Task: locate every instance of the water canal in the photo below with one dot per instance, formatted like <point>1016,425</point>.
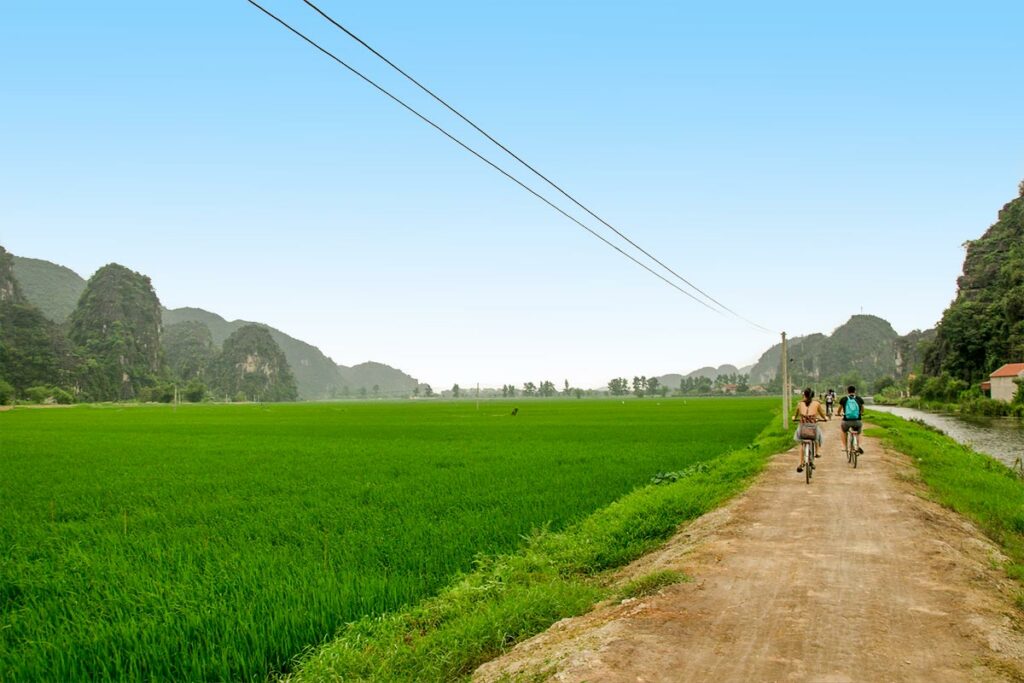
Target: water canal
<point>1000,437</point>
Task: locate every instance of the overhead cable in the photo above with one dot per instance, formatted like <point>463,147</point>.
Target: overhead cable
<point>475,153</point>
<point>522,161</point>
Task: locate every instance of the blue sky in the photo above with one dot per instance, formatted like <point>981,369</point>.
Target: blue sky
<point>800,163</point>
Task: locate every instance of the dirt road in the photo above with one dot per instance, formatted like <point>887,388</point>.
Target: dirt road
<point>854,578</point>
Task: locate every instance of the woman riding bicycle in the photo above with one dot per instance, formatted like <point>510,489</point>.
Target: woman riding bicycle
<point>807,412</point>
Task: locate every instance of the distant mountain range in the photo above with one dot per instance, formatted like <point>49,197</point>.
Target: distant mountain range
<point>55,290</point>
<point>672,379</point>
<point>863,349</point>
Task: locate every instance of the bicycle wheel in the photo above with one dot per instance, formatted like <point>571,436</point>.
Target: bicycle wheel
<point>808,461</point>
<point>854,444</point>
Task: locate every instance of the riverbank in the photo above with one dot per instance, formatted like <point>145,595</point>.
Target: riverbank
<point>980,406</point>
<point>999,437</point>
<point>973,484</point>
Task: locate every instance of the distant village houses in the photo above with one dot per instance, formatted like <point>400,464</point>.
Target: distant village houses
<point>1003,387</point>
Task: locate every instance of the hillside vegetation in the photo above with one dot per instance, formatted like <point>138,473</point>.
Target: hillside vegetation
<point>51,288</point>
<point>33,350</point>
<point>45,345</point>
<point>861,351</point>
<point>983,328</point>
<point>117,327</point>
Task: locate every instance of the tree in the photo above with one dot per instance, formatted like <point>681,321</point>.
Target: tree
<point>639,386</point>
<point>529,389</point>
<point>547,389</point>
<point>653,385</point>
<point>427,391</point>
<point>566,392</point>
<point>618,386</point>
<point>416,391</point>
<point>6,393</point>
<point>376,390</point>
<point>195,391</point>
<point>455,391</point>
<point>881,384</point>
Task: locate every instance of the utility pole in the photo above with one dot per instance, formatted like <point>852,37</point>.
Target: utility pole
<point>785,382</point>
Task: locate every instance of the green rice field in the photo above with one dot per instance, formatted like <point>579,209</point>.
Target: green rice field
<point>220,542</point>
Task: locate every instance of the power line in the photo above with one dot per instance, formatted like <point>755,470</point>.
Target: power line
<point>522,161</point>
<point>472,151</point>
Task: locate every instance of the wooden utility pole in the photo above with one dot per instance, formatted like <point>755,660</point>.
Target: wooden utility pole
<point>785,382</point>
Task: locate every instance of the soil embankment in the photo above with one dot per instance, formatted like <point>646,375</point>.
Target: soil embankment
<point>856,577</point>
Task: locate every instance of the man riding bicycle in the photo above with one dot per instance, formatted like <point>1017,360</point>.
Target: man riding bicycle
<point>830,399</point>
<point>851,407</point>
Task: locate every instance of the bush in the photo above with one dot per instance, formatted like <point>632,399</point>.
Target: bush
<point>6,393</point>
<point>195,391</point>
<point>981,405</point>
<point>47,394</point>
<point>941,388</point>
<point>881,384</point>
<point>160,393</point>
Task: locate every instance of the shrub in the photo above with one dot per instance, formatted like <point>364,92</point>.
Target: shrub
<point>47,394</point>
<point>6,393</point>
<point>882,383</point>
<point>195,391</point>
<point>159,393</point>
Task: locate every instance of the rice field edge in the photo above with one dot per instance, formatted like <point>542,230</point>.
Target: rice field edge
<point>508,598</point>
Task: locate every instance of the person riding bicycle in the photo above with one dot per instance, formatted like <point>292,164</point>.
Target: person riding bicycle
<point>851,407</point>
<point>830,398</point>
<point>807,412</point>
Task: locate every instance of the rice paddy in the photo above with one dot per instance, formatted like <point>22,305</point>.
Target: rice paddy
<point>221,542</point>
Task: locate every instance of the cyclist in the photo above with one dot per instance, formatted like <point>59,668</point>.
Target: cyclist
<point>830,398</point>
<point>807,412</point>
<point>851,407</point>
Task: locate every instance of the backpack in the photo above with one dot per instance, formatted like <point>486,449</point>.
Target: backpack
<point>852,409</point>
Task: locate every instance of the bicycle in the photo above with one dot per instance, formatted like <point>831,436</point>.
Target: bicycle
<point>853,447</point>
<point>808,447</point>
<point>808,452</point>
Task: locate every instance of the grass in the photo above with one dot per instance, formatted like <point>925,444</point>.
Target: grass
<point>649,584</point>
<point>556,575</point>
<point>976,486</point>
<point>221,542</point>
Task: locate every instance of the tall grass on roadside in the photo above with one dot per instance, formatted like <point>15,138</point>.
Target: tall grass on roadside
<point>220,542</point>
<point>979,487</point>
<point>511,597</point>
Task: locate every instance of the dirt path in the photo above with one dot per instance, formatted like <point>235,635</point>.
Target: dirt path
<point>853,578</point>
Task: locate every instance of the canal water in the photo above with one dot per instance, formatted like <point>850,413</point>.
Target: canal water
<point>1000,437</point>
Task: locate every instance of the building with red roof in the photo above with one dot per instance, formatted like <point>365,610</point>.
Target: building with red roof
<point>1003,386</point>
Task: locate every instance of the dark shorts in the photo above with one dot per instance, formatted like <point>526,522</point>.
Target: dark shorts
<point>856,425</point>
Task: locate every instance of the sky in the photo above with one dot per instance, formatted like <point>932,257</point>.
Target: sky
<point>799,162</point>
